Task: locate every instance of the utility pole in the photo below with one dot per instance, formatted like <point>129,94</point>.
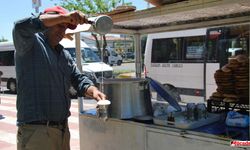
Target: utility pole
<point>148,5</point>
<point>36,4</point>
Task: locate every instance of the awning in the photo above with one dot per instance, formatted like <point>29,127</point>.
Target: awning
<point>182,15</point>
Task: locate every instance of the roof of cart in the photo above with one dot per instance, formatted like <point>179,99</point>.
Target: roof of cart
<point>180,15</point>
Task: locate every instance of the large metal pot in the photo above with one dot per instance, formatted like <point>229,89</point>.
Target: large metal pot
<point>130,98</point>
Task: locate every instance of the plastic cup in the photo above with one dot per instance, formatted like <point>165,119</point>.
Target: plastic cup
<point>102,109</point>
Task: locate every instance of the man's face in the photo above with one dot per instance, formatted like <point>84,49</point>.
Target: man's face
<point>56,34</point>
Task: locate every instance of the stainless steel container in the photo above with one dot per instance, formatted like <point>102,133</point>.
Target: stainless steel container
<point>130,98</point>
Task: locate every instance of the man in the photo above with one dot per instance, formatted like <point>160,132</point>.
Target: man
<point>106,56</point>
<point>45,72</point>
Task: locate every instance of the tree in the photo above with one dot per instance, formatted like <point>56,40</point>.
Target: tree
<point>91,6</point>
<point>3,39</point>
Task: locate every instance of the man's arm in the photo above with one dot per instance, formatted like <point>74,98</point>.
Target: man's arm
<point>82,83</point>
<point>74,18</point>
<point>24,30</point>
<point>24,33</point>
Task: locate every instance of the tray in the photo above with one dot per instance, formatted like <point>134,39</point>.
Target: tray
<point>183,123</point>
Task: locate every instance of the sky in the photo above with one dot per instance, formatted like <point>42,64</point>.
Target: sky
<point>13,10</point>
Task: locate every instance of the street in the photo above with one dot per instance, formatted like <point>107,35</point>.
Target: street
<point>125,67</point>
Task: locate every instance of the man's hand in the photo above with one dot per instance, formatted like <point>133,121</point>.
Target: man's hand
<point>76,17</point>
<point>93,92</point>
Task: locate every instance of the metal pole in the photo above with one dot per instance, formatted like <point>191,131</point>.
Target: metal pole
<point>78,51</point>
<point>36,4</point>
<point>37,10</point>
<point>79,65</point>
<point>148,5</point>
<point>138,57</point>
<point>102,52</point>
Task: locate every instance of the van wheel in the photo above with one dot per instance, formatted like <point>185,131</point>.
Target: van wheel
<point>119,62</point>
<point>12,86</point>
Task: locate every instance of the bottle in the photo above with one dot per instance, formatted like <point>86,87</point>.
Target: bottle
<point>171,119</point>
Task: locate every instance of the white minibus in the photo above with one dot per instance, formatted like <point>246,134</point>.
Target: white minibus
<point>188,59</point>
<point>7,66</point>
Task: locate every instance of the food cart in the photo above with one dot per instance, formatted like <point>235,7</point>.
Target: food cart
<point>130,134</point>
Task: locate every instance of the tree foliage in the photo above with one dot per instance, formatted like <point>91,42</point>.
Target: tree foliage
<point>3,39</point>
<point>90,6</point>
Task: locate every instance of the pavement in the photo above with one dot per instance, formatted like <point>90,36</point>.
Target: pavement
<point>8,126</point>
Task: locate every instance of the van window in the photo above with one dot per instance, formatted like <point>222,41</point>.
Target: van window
<point>238,40</point>
<point>7,58</point>
<point>164,50</point>
<point>87,55</point>
<point>178,49</point>
<point>113,53</point>
<point>194,47</point>
<point>224,42</point>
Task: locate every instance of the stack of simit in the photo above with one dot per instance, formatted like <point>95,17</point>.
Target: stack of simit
<point>233,80</point>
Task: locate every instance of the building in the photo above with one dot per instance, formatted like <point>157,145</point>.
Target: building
<point>120,43</point>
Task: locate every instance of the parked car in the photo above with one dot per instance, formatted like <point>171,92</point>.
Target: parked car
<point>112,57</point>
<point>129,55</point>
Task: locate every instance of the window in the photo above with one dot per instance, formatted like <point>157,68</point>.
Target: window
<point>194,48</point>
<point>224,42</point>
<point>165,50</point>
<point>178,50</point>
<point>238,40</point>
<point>7,58</point>
<point>89,55</point>
<point>215,45</point>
